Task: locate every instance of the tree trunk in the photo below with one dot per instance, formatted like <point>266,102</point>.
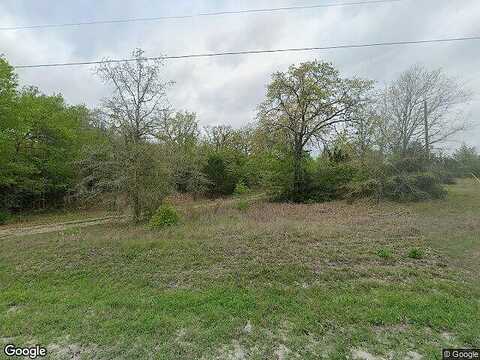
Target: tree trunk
<point>427,138</point>
<point>136,207</point>
<point>297,173</point>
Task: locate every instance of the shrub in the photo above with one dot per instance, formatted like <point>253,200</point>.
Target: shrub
<point>415,253</point>
<point>385,253</point>
<point>242,205</point>
<point>330,181</point>
<point>241,188</point>
<point>166,215</point>
<point>422,186</point>
<point>400,188</point>
<point>4,217</point>
<point>363,189</point>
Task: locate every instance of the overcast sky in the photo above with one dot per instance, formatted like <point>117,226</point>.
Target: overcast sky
<point>227,90</point>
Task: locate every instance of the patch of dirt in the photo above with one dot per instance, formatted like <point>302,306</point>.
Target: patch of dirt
<point>360,354</point>
<point>70,351</point>
<point>238,352</point>
<point>449,337</point>
<point>281,352</point>
<point>248,328</point>
<point>412,355</point>
<point>6,340</point>
<point>13,309</point>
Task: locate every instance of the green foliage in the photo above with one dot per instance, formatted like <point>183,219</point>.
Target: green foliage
<point>223,171</point>
<point>416,253</point>
<point>467,162</point>
<point>280,180</point>
<point>241,188</point>
<point>385,253</point>
<point>363,189</point>
<point>330,180</point>
<point>166,215</point>
<point>39,143</point>
<point>416,187</point>
<point>4,217</point>
<point>302,105</point>
<point>242,205</point>
<point>136,171</point>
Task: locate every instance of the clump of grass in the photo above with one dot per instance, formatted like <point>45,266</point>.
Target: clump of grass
<point>166,215</point>
<point>242,205</point>
<point>415,253</point>
<point>385,253</point>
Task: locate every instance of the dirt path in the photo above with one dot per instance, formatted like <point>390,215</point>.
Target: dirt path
<point>46,228</point>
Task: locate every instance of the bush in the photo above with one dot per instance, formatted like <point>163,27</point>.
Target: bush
<point>4,217</point>
<point>415,253</point>
<point>416,187</point>
<point>364,189</point>
<point>330,181</point>
<point>166,215</point>
<point>241,188</point>
<point>242,205</point>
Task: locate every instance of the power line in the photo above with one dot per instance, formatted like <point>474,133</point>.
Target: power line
<point>217,13</point>
<point>245,52</point>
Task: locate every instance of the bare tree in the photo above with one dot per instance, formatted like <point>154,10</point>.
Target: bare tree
<point>422,106</point>
<point>306,103</point>
<point>139,95</point>
<point>133,113</point>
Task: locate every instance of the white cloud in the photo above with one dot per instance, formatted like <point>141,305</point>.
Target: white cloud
<point>227,89</point>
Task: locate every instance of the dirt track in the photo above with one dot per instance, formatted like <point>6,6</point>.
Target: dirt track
<point>46,228</point>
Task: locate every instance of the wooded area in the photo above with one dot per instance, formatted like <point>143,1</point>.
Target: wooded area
<point>318,136</point>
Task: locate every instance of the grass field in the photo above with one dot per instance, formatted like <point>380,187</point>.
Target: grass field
<point>273,281</point>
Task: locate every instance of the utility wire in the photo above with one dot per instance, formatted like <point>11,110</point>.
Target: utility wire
<point>245,52</point>
<point>217,13</point>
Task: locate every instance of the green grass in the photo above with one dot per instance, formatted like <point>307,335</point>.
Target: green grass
<point>312,281</point>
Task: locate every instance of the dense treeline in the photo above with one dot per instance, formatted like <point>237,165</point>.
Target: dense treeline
<point>41,137</point>
<point>318,136</point>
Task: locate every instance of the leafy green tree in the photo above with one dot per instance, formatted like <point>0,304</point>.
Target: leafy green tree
<point>306,103</point>
<point>8,88</point>
<point>40,143</point>
<point>220,172</point>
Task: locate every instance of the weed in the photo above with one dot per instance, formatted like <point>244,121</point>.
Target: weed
<point>416,253</point>
<point>385,253</point>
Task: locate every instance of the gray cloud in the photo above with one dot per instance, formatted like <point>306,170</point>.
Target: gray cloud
<point>227,89</point>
